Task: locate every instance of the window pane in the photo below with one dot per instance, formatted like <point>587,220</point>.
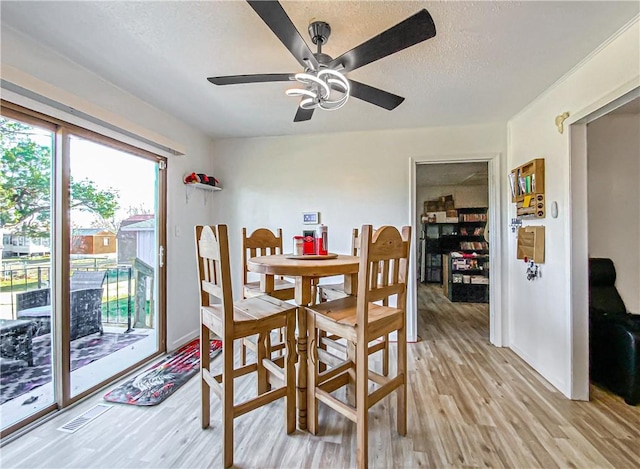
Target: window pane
<point>113,261</point>
<point>26,351</point>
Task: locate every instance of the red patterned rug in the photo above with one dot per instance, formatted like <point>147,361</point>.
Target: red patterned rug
<point>154,385</point>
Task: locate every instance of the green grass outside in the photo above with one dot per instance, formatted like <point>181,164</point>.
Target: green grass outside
<point>115,311</point>
<point>19,286</point>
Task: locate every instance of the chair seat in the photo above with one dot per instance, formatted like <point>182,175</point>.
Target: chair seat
<point>382,319</point>
<point>284,290</point>
<point>332,291</point>
<point>249,315</point>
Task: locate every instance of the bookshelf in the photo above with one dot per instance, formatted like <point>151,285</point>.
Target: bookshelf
<point>466,278</point>
<point>471,230</point>
<point>438,239</point>
<point>527,189</point>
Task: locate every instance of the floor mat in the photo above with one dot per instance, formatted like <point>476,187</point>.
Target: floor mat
<point>85,350</point>
<point>154,385</point>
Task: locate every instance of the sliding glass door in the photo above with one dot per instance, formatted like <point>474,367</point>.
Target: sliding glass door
<point>26,353</point>
<point>113,261</point>
<point>82,298</point>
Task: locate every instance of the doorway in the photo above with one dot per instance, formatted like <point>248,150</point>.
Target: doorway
<point>452,249</point>
<point>581,223</point>
<point>613,171</point>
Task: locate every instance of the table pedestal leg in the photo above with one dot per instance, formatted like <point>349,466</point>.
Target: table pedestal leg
<point>302,368</point>
<point>302,298</point>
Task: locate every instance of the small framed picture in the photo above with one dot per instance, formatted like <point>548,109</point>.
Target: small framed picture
<point>310,218</point>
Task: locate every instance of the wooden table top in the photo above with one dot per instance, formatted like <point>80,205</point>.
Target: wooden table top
<point>280,265</point>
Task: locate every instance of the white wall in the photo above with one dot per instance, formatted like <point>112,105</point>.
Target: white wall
<point>46,72</point>
<point>351,178</point>
<point>613,143</point>
<point>541,318</point>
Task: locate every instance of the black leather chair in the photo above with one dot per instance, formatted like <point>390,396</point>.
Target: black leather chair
<point>614,335</point>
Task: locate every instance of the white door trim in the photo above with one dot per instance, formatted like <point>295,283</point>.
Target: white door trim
<point>578,230</point>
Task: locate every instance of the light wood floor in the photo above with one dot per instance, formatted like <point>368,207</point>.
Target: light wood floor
<point>470,405</point>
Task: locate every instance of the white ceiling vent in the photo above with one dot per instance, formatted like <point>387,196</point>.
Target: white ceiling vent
<point>81,420</point>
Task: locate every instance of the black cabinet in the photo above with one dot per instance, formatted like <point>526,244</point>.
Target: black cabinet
<point>437,239</point>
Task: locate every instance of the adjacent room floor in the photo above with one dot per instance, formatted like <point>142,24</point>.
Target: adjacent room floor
<point>470,404</point>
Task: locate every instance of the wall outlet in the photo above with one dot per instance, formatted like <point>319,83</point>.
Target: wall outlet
<point>177,231</point>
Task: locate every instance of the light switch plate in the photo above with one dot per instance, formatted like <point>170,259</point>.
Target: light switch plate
<point>310,218</point>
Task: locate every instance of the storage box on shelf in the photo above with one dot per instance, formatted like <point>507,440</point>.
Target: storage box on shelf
<point>527,189</point>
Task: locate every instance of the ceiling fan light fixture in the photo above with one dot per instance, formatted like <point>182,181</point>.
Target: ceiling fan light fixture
<point>326,89</point>
<point>297,92</point>
<point>308,103</point>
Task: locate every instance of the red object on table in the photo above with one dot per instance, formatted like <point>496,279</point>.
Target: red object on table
<point>320,247</point>
<point>308,245</point>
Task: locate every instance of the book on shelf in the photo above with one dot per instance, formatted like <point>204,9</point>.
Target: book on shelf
<point>473,217</point>
<point>474,245</point>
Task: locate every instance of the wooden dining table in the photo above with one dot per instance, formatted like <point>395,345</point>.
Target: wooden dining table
<point>306,272</point>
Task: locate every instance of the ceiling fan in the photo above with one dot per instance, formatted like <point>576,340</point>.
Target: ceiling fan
<point>325,85</point>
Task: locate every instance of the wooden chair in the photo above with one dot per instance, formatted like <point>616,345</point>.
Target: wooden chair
<point>333,291</point>
<point>230,321</point>
<point>384,260</point>
<point>262,242</point>
<point>329,292</point>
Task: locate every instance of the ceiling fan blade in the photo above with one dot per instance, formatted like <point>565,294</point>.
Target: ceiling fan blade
<point>415,29</point>
<point>260,78</point>
<point>303,114</point>
<point>279,22</point>
<point>384,99</point>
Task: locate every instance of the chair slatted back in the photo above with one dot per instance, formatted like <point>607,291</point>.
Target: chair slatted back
<point>262,242</point>
<point>384,264</point>
<point>212,247</point>
<point>355,242</point>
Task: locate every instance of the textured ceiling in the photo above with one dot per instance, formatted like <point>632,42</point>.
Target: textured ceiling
<point>488,60</point>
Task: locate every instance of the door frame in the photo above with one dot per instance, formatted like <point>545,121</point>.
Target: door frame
<point>497,319</point>
<point>577,249</point>
<point>60,254</point>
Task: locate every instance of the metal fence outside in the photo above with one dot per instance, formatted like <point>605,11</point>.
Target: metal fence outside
<point>117,295</point>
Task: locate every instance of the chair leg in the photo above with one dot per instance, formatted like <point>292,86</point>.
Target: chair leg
<point>290,372</point>
<point>205,392</point>
<point>351,395</point>
<point>385,356</point>
<point>243,353</point>
<point>227,402</point>
<point>312,375</point>
<point>362,407</point>
<point>401,392</point>
<point>261,353</point>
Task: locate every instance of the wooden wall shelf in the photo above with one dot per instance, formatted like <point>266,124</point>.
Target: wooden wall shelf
<point>527,189</point>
